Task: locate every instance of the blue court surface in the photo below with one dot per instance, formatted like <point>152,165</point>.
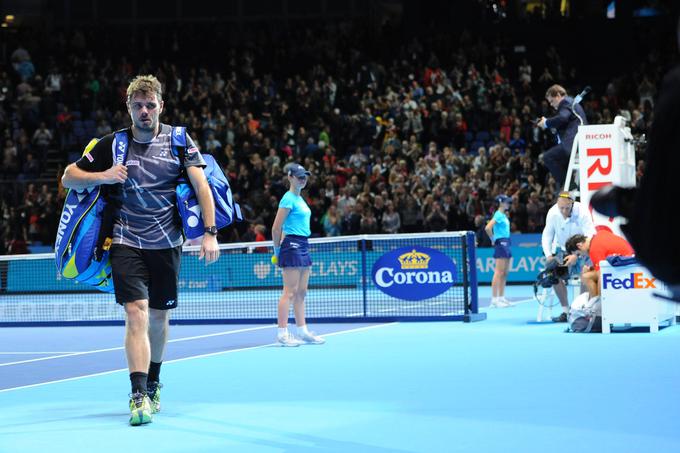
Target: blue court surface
<point>500,385</point>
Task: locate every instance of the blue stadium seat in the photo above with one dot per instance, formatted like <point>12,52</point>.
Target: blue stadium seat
<point>483,136</point>
<point>73,156</point>
<point>79,132</point>
<point>90,128</point>
<point>468,137</point>
<point>474,147</point>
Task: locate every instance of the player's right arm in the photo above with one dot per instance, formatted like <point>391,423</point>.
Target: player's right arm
<point>489,228</point>
<point>277,228</point>
<point>95,168</point>
<point>548,235</point>
<point>75,178</point>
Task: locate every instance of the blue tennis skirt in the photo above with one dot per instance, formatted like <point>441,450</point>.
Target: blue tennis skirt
<point>294,252</point>
<point>502,248</point>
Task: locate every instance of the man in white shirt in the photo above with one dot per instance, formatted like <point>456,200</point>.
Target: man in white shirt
<point>564,219</point>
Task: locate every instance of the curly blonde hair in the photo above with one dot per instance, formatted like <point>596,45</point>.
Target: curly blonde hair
<point>146,85</point>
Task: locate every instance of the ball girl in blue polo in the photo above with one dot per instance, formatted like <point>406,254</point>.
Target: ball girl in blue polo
<point>291,252</point>
<point>498,230</point>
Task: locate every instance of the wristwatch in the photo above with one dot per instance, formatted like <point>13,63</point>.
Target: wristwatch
<point>211,230</point>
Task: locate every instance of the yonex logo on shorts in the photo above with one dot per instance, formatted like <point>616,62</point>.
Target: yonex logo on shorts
<point>170,302</point>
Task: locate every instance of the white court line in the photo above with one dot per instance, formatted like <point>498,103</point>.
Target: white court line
<point>512,303</point>
<point>37,352</point>
<point>523,301</point>
<point>95,351</point>
<point>211,354</point>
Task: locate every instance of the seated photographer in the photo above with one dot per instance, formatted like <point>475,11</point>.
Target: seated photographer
<point>565,219</point>
<point>602,245</point>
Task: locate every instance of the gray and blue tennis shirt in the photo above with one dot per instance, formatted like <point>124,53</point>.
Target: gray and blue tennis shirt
<point>146,215</point>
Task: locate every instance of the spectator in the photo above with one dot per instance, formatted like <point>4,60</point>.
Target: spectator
<point>331,222</point>
<point>436,220</point>
<point>31,168</point>
<point>42,138</point>
<point>391,221</point>
<point>351,222</point>
<point>260,230</point>
<point>369,224</point>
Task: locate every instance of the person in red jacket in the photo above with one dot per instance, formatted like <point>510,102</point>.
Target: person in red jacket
<point>601,245</point>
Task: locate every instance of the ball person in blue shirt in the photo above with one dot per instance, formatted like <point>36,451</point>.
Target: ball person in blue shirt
<point>498,230</point>
<point>291,252</point>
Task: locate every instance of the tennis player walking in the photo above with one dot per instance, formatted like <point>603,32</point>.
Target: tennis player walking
<point>498,230</point>
<point>147,235</point>
<point>291,252</point>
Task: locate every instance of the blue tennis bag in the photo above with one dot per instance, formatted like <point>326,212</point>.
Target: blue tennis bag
<point>226,211</point>
<point>84,236</point>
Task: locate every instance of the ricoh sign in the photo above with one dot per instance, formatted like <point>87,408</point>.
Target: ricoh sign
<point>603,160</point>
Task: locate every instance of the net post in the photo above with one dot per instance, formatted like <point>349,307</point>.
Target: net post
<point>470,276</point>
<point>364,277</point>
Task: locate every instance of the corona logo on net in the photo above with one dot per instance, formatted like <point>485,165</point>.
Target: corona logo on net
<point>414,260</point>
<point>635,280</point>
<point>414,273</point>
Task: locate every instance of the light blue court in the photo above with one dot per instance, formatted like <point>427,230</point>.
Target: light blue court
<point>500,385</point>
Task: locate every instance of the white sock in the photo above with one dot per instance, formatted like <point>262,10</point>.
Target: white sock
<point>282,331</point>
<point>494,300</point>
<point>302,330</point>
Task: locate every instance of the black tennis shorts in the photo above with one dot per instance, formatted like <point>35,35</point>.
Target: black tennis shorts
<point>146,275</point>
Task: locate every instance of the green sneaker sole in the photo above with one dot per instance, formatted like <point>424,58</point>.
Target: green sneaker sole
<point>139,417</point>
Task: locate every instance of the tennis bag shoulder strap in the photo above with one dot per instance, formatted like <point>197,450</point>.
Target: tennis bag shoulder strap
<point>226,210</point>
<point>84,236</point>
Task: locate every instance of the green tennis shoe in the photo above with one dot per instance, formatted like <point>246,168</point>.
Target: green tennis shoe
<point>140,409</point>
<point>153,390</point>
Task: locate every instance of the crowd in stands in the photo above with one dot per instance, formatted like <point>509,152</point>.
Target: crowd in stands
<point>420,138</point>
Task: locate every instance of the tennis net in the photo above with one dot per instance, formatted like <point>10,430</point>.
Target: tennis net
<point>429,276</point>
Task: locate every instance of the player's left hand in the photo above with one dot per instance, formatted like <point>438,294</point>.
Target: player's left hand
<point>209,249</point>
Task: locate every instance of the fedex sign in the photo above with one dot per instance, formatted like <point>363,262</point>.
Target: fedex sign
<point>634,281</point>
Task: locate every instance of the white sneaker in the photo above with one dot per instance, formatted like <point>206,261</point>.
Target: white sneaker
<point>310,338</point>
<point>288,340</point>
<point>499,303</point>
<point>509,303</point>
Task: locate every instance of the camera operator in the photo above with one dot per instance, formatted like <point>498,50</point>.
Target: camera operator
<point>566,122</point>
<point>565,219</point>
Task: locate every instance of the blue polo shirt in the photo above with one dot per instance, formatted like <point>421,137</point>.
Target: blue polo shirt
<point>501,229</point>
<point>297,222</point>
